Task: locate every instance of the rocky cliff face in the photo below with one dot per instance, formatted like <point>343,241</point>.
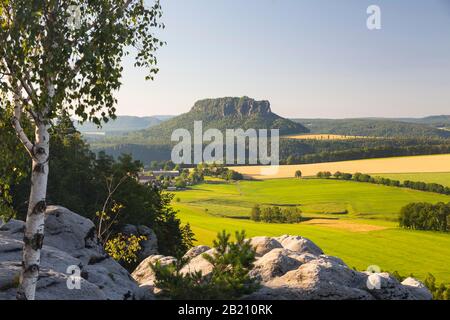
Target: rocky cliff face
<point>223,113</point>
<point>294,268</point>
<point>238,107</point>
<point>70,244</point>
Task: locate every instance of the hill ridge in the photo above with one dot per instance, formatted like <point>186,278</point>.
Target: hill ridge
<point>223,113</point>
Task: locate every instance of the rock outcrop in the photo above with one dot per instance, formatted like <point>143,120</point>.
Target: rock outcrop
<point>70,245</point>
<point>240,107</point>
<point>144,275</point>
<point>288,267</point>
<point>195,251</point>
<point>294,268</point>
<point>148,247</point>
<point>264,245</point>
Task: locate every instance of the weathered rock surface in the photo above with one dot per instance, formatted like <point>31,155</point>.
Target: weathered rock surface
<point>148,247</point>
<point>199,264</point>
<point>264,245</point>
<point>273,264</point>
<point>144,274</point>
<point>299,244</point>
<point>195,251</point>
<point>418,289</point>
<point>69,241</point>
<point>293,267</point>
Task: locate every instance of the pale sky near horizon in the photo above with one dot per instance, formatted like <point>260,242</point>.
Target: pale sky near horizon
<point>309,58</point>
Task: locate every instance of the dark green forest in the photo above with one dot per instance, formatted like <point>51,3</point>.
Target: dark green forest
<point>82,181</point>
<point>293,151</point>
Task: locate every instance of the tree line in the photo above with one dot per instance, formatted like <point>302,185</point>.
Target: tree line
<point>425,216</point>
<point>362,177</point>
<point>312,154</point>
<point>275,214</point>
<point>294,151</point>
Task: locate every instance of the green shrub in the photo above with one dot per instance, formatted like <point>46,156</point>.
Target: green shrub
<point>440,292</point>
<point>124,249</point>
<point>323,174</point>
<point>255,215</point>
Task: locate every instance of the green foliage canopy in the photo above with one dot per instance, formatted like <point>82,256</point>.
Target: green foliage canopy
<point>78,47</point>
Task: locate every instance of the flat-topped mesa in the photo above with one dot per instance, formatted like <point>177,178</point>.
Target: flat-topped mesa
<point>233,106</point>
<point>223,114</point>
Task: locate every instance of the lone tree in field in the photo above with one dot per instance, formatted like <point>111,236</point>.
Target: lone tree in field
<point>64,57</point>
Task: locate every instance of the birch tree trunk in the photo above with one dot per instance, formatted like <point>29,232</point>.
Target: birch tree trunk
<point>34,226</point>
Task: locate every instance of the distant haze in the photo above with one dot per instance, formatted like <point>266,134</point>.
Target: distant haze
<point>310,58</point>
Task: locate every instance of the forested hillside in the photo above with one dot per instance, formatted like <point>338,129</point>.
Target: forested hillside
<point>373,128</point>
<point>442,121</point>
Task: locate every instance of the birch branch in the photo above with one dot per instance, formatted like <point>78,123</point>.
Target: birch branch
<point>18,127</point>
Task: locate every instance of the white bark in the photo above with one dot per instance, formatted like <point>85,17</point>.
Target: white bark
<point>18,127</point>
<point>34,226</point>
<point>35,222</point>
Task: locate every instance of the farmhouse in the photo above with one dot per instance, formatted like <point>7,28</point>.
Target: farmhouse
<point>166,174</point>
<point>146,179</point>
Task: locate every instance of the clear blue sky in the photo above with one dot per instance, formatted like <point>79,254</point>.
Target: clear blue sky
<point>309,58</point>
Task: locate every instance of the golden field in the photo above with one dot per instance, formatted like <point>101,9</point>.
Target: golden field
<point>428,163</point>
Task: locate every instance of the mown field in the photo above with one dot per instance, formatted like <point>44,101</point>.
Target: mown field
<point>428,163</point>
<point>366,235</point>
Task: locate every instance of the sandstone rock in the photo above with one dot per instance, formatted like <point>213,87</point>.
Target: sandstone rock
<point>144,274</point>
<point>148,247</point>
<point>302,257</point>
<point>199,263</point>
<point>73,234</point>
<point>13,227</point>
<point>129,229</point>
<point>388,288</point>
<point>274,264</point>
<point>300,271</point>
<point>195,251</point>
<point>417,288</point>
<point>52,285</point>
<point>69,241</point>
<point>321,279</point>
<point>264,245</point>
<point>299,244</point>
<point>145,292</point>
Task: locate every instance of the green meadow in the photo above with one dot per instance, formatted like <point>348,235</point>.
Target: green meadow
<point>355,221</point>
